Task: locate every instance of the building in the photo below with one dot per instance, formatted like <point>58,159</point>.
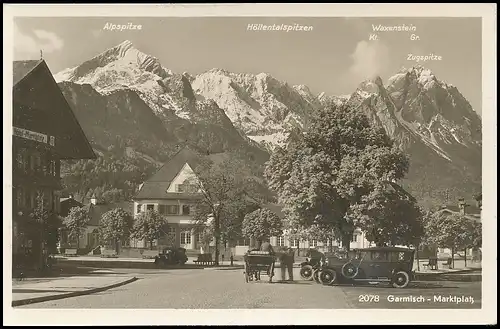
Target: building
<point>469,211</point>
<point>358,239</point>
<point>95,210</point>
<point>167,192</point>
<point>45,131</point>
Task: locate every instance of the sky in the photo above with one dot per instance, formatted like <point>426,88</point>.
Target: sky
<point>334,57</point>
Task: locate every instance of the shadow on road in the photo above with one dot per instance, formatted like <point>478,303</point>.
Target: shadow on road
<point>415,285</point>
<point>30,291</point>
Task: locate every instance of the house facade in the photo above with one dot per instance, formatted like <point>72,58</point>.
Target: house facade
<point>89,240</point>
<point>38,147</point>
<point>168,192</point>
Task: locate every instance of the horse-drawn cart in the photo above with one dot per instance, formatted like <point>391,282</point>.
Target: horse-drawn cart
<point>257,262</point>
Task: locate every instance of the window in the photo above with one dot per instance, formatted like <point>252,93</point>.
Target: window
<point>53,168</point>
<point>173,210</point>
<point>36,162</point>
<point>162,209</point>
<point>294,243</point>
<point>19,197</point>
<point>138,208</point>
<point>377,255</point>
<point>27,199</point>
<point>150,207</point>
<point>185,188</point>
<point>186,209</point>
<point>313,243</point>
<point>354,238</point>
<point>20,158</point>
<point>186,237</point>
<point>280,241</point>
<point>243,242</point>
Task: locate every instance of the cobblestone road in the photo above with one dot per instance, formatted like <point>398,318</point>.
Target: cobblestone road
<point>223,289</point>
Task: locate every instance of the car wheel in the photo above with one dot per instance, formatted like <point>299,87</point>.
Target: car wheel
<point>328,277</point>
<point>316,275</point>
<point>400,280</point>
<point>306,272</point>
<point>349,270</point>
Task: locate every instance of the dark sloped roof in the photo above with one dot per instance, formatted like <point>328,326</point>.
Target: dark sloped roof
<point>96,211</point>
<point>399,189</point>
<point>22,68</point>
<point>474,217</point>
<point>470,209</point>
<point>67,204</point>
<point>156,186</point>
<point>171,168</point>
<point>276,208</point>
<point>40,106</point>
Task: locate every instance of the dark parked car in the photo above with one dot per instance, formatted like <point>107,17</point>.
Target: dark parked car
<point>171,256</point>
<point>378,264</point>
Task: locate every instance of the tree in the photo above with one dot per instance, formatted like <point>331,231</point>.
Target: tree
<point>389,216</point>
<point>222,189</point>
<point>115,226</point>
<point>76,222</point>
<point>453,231</point>
<point>262,224</point>
<point>148,225</point>
<point>45,226</point>
<point>479,199</point>
<point>322,172</point>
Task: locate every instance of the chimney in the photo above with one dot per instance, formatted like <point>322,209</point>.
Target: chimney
<point>93,200</point>
<point>461,206</point>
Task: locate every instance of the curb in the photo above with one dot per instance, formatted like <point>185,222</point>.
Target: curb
<point>448,277</point>
<point>237,267</point>
<point>27,301</point>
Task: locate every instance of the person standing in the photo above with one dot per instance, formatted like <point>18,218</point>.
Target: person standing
<point>283,259</point>
<point>289,263</point>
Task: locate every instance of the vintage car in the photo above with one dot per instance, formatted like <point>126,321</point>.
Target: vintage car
<point>377,264</point>
<point>171,256</point>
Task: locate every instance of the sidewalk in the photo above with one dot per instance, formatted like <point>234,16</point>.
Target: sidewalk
<point>38,290</point>
<point>99,262</point>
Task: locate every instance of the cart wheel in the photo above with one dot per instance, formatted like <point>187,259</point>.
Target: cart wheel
<point>316,274</point>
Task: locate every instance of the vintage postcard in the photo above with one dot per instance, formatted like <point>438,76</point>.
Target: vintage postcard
<point>250,164</point>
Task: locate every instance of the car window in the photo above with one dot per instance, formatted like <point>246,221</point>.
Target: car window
<point>379,255</point>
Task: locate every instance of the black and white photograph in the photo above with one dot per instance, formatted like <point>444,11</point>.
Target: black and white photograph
<point>330,164</point>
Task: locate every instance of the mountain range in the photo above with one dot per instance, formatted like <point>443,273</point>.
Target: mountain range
<point>134,109</point>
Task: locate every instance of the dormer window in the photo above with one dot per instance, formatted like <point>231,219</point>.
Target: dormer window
<point>185,188</point>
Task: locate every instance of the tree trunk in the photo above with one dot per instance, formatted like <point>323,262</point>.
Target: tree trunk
<point>465,257</point>
<point>217,239</point>
<point>150,244</point>
<point>116,247</point>
<point>259,243</point>
<point>418,259</point>
<point>452,257</point>
<point>346,242</point>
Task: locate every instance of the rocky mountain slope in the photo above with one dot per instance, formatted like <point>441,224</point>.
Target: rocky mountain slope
<point>123,96</point>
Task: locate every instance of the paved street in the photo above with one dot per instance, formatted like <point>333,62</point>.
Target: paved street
<point>227,289</point>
